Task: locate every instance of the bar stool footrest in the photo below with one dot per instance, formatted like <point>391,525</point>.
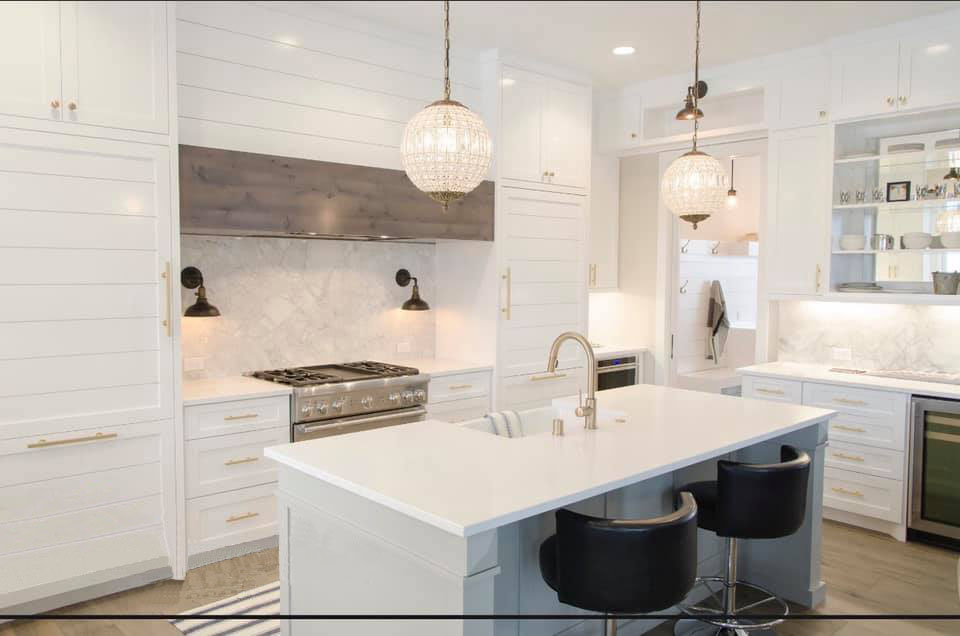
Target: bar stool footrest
<point>741,623</point>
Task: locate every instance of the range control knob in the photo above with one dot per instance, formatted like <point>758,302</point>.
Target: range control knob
<point>306,410</point>
<point>420,395</point>
<point>408,396</point>
<point>337,405</point>
<point>366,402</point>
<point>321,408</point>
<point>394,398</point>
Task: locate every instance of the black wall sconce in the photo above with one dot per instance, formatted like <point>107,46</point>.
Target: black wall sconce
<point>415,303</point>
<point>191,278</point>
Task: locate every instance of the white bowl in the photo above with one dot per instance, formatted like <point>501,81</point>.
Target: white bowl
<point>950,240</point>
<point>917,240</point>
<point>853,242</point>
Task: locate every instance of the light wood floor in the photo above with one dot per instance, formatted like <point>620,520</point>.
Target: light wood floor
<point>866,573</point>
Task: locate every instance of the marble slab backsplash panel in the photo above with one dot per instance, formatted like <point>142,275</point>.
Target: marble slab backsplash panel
<point>880,336</point>
<point>291,302</point>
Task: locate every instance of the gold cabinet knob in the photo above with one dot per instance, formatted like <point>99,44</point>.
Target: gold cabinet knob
<point>72,105</point>
<point>823,114</point>
<point>903,99</point>
<point>890,101</point>
<point>633,135</point>
<point>55,103</point>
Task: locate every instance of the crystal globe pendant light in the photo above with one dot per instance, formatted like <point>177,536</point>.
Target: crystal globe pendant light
<point>446,148</point>
<point>694,185</point>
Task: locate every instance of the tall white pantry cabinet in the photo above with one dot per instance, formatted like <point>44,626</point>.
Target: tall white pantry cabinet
<point>89,383</point>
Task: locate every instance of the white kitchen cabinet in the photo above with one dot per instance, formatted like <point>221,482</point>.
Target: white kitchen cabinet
<point>97,63</point>
<point>459,397</point>
<point>545,130</point>
<point>864,79</point>
<point>30,50</point>
<point>799,208</point>
<point>801,93</point>
<point>928,68</point>
<point>603,268</point>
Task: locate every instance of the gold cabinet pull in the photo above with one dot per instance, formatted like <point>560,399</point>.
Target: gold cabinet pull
<point>72,105</point>
<point>769,391</point>
<point>240,460</point>
<point>819,270</point>
<point>547,376</point>
<point>852,429</point>
<point>44,443</point>
<point>460,387</point>
<point>509,308</point>
<point>167,324</point>
<point>246,515</point>
<point>55,104</point>
<point>844,491</point>
<point>853,458</point>
<point>841,400</point>
<point>593,274</point>
<point>245,416</point>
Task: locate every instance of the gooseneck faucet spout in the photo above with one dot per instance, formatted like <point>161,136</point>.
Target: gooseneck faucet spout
<point>588,409</point>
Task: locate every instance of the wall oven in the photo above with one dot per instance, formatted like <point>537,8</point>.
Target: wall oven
<point>615,372</point>
<point>935,471</point>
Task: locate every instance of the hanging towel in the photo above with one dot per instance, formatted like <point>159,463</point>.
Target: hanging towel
<point>717,322</point>
<point>505,423</point>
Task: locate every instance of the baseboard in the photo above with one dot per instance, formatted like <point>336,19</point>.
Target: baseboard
<point>221,554</point>
<point>896,530</point>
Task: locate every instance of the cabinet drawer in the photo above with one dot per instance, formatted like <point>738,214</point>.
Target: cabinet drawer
<point>229,518</point>
<point>459,387</point>
<point>228,462</point>
<point>863,494</point>
<point>867,402</point>
<point>868,460</point>
<point>208,420</point>
<point>41,457</point>
<point>775,389</point>
<point>459,410</point>
<point>868,431</point>
<point>541,388</point>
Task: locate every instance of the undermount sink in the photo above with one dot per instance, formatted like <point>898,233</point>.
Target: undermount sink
<point>540,421</point>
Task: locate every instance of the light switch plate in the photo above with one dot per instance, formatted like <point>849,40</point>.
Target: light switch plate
<point>403,347</point>
<point>194,364</point>
<point>841,353</point>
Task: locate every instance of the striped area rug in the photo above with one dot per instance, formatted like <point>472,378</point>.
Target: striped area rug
<point>263,600</point>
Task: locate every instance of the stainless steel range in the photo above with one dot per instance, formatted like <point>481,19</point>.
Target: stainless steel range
<point>334,399</point>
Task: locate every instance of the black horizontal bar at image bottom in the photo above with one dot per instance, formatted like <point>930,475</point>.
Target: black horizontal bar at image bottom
<point>484,617</point>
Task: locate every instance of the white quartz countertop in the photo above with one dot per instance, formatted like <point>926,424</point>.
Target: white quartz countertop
<point>610,351</point>
<point>819,373</point>
<point>232,388</point>
<point>465,481</point>
<point>438,367</point>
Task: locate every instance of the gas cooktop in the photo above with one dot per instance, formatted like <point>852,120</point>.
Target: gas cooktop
<point>334,373</point>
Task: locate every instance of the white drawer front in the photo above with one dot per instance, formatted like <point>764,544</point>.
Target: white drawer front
<point>868,460</point>
<point>540,389</point>
<point>885,405</point>
<point>45,532</point>
<point>41,457</point>
<point>228,462</point>
<point>230,518</point>
<point>863,494</point>
<point>459,410</point>
<point>774,389</point>
<point>869,431</point>
<point>208,420</point>
<point>459,387</point>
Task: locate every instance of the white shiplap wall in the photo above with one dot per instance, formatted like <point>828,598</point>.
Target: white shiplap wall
<point>292,79</point>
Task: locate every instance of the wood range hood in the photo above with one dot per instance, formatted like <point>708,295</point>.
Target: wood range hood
<point>230,193</point>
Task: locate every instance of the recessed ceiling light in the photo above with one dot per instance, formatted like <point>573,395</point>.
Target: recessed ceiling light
<point>624,50</point>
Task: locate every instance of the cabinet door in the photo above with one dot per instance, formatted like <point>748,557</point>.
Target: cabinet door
<point>928,68</point>
<point>602,272</point>
<point>30,50</point>
<point>522,107</point>
<point>115,64</point>
<point>864,79</point>
<point>85,308</point>
<point>804,94</point>
<point>799,206</point>
<point>566,135</point>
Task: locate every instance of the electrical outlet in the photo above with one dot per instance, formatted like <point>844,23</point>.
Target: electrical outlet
<point>841,353</point>
<point>194,364</point>
<point>403,347</point>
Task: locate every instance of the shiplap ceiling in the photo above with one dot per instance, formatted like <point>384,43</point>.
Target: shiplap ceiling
<point>580,35</point>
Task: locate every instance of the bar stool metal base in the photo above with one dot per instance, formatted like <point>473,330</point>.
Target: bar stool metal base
<point>703,623</point>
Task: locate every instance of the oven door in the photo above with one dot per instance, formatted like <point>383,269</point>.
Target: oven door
<point>344,425</point>
<point>935,461</point>
<point>614,373</point>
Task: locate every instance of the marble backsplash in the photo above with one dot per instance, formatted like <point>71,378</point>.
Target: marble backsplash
<point>880,336</point>
<point>290,302</point>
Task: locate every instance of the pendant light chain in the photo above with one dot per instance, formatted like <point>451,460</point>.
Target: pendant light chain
<point>446,49</point>
<point>696,78</point>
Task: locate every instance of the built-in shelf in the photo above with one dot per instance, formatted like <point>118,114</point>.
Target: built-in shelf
<point>888,298</point>
<point>928,250</point>
<point>919,205</point>
<point>897,159</point>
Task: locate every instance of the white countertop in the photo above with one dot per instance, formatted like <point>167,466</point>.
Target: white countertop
<point>465,481</point>
<point>233,388</point>
<point>438,367</point>
<point>610,351</point>
<point>820,373</point>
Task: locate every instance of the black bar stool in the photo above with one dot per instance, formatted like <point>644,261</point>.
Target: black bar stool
<point>622,565</point>
<point>748,501</point>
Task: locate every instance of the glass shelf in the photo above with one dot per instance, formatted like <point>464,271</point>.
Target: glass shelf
<point>930,250</point>
<point>916,206</point>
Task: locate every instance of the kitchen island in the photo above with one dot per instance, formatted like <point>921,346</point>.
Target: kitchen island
<point>432,518</point>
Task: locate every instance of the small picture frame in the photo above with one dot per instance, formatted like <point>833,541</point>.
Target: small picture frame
<point>898,191</point>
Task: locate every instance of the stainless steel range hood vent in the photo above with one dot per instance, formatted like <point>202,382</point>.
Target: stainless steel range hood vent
<point>230,193</point>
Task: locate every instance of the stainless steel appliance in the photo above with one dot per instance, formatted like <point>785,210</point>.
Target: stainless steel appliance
<point>617,371</point>
<point>334,399</point>
<point>935,471</point>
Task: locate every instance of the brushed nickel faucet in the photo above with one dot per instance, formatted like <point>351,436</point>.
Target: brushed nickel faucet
<point>587,410</point>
